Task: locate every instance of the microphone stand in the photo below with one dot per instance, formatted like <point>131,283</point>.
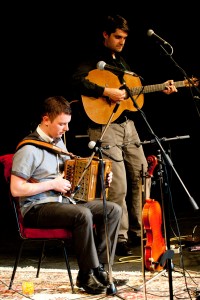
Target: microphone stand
<point>111,289</point>
<point>164,139</point>
<point>157,140</point>
<point>184,74</point>
<point>168,161</point>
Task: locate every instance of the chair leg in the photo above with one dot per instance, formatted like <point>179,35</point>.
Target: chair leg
<point>16,263</point>
<point>68,267</point>
<point>40,259</point>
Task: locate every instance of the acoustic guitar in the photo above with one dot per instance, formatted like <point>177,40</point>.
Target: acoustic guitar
<point>100,109</point>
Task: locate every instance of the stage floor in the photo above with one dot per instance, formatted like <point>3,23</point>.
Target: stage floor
<point>188,226</point>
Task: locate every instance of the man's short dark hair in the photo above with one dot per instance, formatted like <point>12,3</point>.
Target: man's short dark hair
<point>111,23</point>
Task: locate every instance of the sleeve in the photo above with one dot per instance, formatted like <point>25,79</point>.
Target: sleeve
<point>81,85</point>
<point>25,161</point>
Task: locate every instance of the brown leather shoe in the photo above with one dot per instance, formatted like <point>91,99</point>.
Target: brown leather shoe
<point>122,249</point>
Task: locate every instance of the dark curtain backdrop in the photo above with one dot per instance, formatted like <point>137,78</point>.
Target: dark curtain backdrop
<point>41,43</point>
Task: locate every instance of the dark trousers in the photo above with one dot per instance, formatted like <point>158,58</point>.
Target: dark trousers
<point>90,247</point>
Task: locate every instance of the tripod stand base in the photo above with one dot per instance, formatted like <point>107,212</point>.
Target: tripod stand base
<point>111,289</point>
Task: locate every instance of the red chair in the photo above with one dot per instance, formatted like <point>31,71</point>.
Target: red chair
<point>34,234</point>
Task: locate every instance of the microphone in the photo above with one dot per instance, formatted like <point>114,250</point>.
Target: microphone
<point>92,144</point>
<point>150,32</point>
<point>101,65</point>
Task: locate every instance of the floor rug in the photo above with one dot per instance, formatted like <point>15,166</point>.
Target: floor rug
<point>53,284</point>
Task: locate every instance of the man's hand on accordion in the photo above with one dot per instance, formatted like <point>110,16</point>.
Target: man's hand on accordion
<point>109,178</point>
<point>61,184</point>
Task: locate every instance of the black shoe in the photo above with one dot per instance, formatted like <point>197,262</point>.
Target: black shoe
<point>101,275</point>
<point>122,249</point>
<point>90,284</point>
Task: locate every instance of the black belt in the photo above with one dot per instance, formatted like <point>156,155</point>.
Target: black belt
<point>120,120</point>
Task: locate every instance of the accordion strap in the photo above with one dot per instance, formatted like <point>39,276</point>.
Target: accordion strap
<point>45,145</point>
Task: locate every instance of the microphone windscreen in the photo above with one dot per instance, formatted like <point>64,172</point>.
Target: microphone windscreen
<point>101,65</point>
<point>91,144</point>
<point>150,32</point>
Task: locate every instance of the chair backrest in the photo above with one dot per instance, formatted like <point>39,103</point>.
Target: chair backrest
<point>26,232</point>
<point>6,160</point>
<point>7,218</point>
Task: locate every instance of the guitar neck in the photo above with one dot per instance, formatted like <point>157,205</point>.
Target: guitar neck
<point>153,88</point>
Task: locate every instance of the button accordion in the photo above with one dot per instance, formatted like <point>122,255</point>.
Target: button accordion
<point>89,187</point>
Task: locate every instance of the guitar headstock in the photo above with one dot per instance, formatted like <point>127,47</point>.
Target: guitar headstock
<point>191,81</point>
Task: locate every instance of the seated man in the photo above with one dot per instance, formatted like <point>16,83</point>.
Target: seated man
<point>37,179</point>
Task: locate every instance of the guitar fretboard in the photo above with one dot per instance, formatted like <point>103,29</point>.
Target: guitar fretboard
<point>153,88</point>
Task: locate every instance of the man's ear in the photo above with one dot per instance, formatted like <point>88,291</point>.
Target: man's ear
<point>105,35</point>
<point>45,120</point>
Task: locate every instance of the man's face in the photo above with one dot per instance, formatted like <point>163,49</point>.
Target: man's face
<point>115,41</point>
<point>58,126</point>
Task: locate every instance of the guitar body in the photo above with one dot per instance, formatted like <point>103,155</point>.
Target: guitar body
<point>100,109</point>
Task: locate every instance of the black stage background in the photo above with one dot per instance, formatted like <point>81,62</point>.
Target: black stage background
<point>41,43</point>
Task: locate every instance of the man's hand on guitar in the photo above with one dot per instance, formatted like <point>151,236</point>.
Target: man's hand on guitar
<point>115,94</point>
<point>170,87</point>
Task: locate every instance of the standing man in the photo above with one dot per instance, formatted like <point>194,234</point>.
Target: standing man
<point>121,135</point>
